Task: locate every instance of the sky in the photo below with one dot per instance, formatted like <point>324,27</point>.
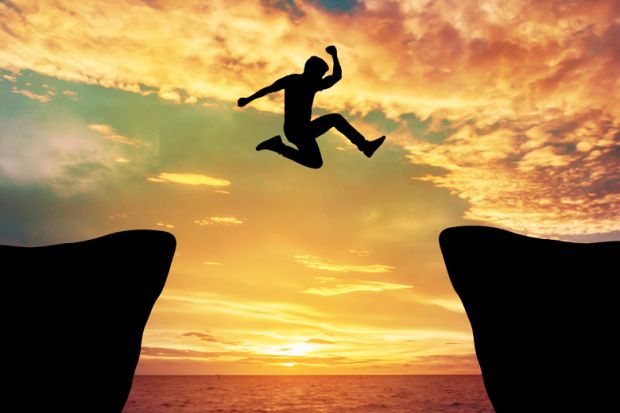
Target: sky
<point>122,115</point>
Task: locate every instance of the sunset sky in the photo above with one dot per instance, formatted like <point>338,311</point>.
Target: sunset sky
<point>121,115</point>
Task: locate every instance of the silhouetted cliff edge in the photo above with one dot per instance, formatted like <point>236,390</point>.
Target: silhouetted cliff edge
<point>543,315</point>
<point>73,317</point>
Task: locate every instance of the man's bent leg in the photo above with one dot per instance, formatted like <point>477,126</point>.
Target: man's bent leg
<point>308,153</point>
<point>335,120</point>
<point>322,124</point>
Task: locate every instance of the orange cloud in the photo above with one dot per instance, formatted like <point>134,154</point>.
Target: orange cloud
<point>107,132</point>
<point>163,224</point>
<point>219,221</point>
<point>281,312</point>
<point>205,336</point>
<point>71,94</point>
<point>10,78</point>
<point>448,363</point>
<point>31,95</point>
<point>351,287</point>
<point>555,178</point>
<point>485,59</point>
<point>318,263</point>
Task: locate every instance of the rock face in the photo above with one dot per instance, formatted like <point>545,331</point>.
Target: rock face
<point>73,317</point>
<point>543,315</point>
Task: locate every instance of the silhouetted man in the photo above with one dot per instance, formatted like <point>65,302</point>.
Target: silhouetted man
<point>299,91</point>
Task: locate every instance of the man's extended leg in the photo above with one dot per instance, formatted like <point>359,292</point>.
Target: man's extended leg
<point>308,152</point>
<point>322,124</point>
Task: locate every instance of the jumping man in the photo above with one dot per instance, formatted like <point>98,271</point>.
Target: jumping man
<point>300,130</point>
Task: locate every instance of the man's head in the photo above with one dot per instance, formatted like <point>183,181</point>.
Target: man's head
<point>315,67</point>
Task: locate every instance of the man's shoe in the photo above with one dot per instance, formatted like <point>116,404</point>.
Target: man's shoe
<point>271,144</point>
<point>370,147</point>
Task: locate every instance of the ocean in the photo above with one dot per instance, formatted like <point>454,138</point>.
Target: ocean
<point>360,394</point>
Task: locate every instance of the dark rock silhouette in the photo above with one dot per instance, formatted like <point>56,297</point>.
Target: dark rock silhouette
<point>73,318</point>
<point>543,315</point>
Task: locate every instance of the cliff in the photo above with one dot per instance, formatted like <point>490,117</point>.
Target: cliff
<point>73,317</point>
<point>543,315</point>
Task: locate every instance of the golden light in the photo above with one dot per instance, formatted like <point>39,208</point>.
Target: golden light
<point>298,349</point>
<point>189,179</point>
<point>287,349</point>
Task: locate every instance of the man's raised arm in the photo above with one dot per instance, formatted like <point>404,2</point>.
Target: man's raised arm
<point>336,75</point>
<point>277,85</point>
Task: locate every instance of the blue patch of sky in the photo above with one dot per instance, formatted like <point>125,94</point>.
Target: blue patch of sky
<point>378,118</point>
<point>292,7</point>
<point>419,128</point>
<point>338,5</point>
<point>289,6</point>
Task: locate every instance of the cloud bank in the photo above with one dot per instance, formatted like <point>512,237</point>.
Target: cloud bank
<point>524,92</point>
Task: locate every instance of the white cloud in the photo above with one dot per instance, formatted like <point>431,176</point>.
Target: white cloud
<point>62,154</point>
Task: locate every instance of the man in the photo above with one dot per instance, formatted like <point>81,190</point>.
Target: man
<point>299,91</point>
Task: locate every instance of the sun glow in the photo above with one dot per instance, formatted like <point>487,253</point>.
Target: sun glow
<point>288,349</point>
